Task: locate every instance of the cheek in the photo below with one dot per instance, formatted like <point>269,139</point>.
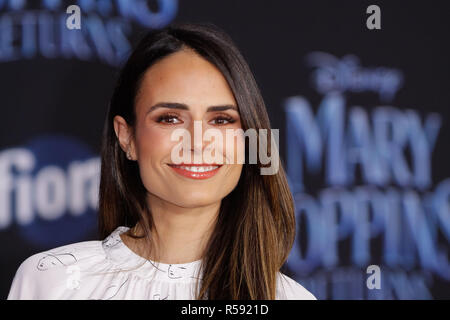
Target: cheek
<point>235,149</point>
<point>153,149</point>
<point>153,144</point>
<point>239,148</point>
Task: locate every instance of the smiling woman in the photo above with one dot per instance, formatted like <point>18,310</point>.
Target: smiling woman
<point>178,230</point>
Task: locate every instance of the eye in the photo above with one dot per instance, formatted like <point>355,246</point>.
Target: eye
<point>223,120</point>
<point>168,119</point>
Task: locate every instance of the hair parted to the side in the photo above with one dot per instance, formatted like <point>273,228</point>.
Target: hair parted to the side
<point>255,228</point>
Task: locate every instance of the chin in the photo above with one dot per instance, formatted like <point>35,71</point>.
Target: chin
<point>195,201</point>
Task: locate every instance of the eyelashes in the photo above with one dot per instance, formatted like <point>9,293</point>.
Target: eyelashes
<point>172,119</point>
<point>222,118</point>
<point>168,118</point>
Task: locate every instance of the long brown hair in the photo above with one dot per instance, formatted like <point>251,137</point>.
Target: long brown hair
<point>255,227</point>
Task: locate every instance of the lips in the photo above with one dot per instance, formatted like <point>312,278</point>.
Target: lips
<point>196,171</point>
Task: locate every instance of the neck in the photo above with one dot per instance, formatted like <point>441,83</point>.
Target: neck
<point>182,233</point>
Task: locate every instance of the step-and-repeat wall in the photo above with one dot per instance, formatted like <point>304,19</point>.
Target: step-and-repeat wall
<point>360,94</point>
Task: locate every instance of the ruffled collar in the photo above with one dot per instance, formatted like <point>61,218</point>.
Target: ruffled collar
<point>125,259</point>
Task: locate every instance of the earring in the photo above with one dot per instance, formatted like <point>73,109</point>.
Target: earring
<point>128,154</point>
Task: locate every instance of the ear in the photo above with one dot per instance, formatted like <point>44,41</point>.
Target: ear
<point>124,135</point>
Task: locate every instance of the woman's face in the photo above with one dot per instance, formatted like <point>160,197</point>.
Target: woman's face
<point>193,86</point>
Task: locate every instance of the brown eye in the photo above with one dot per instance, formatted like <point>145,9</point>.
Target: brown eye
<point>168,119</point>
<point>223,120</point>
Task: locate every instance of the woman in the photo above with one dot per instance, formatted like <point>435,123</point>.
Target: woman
<point>178,231</point>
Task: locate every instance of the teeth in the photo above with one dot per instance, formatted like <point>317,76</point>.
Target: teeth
<point>198,169</point>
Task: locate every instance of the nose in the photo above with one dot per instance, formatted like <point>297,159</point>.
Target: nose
<point>196,130</point>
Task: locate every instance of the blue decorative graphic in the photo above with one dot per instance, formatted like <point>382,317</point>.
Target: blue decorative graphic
<point>56,191</point>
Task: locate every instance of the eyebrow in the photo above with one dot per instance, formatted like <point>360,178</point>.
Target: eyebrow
<point>182,106</point>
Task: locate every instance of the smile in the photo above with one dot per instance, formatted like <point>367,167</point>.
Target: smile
<point>198,171</point>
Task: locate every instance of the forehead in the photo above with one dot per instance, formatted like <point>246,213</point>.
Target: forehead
<point>184,77</point>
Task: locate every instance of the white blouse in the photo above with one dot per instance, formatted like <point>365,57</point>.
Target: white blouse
<point>108,269</point>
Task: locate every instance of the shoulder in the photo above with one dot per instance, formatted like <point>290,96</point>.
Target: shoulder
<point>48,270</point>
<point>289,289</point>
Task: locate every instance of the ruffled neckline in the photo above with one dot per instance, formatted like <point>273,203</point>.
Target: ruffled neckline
<point>125,259</point>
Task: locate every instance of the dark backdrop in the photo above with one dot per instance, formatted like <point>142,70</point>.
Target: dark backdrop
<point>363,119</point>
